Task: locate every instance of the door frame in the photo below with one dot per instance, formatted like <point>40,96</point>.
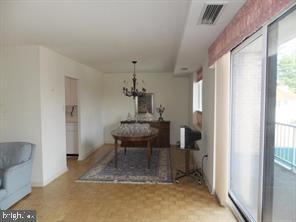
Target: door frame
<point>78,111</point>
<point>233,200</point>
<point>268,177</point>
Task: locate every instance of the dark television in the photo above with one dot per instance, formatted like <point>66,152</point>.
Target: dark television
<point>188,137</point>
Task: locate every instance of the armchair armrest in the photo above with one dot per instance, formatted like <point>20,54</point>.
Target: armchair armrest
<point>17,176</point>
<point>1,177</point>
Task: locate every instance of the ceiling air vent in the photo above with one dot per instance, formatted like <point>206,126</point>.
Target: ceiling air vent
<point>210,13</point>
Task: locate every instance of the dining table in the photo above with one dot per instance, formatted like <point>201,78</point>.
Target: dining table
<point>147,137</point>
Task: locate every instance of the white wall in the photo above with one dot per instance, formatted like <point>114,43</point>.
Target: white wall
<point>32,98</point>
<point>32,105</point>
<point>90,93</point>
<point>20,110</point>
<point>206,144</point>
<point>215,170</point>
<point>208,119</point>
<point>170,91</point>
<point>196,156</point>
<point>53,69</point>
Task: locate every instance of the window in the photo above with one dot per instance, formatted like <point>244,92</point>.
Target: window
<point>197,96</point>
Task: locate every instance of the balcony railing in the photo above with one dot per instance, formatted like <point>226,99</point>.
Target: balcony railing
<point>285,145</point>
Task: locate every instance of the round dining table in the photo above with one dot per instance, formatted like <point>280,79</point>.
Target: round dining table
<point>146,137</point>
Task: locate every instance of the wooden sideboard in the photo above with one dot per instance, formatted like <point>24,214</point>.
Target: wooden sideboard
<point>162,140</point>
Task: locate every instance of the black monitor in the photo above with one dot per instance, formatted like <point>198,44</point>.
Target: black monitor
<point>188,137</point>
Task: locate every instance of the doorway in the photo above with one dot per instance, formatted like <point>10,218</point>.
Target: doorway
<point>72,117</point>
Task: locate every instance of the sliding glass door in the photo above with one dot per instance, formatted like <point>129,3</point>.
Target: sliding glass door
<point>246,112</point>
<point>280,141</point>
<point>263,123</point>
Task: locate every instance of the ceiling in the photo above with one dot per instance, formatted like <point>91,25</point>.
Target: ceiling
<point>197,38</point>
<point>107,35</point>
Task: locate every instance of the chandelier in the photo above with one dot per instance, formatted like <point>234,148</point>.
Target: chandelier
<point>133,92</point>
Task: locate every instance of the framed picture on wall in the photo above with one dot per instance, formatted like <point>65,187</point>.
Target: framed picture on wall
<point>145,103</point>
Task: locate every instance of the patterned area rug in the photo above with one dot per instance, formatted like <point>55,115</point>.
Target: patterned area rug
<point>132,168</point>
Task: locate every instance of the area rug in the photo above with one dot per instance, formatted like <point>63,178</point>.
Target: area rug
<point>132,168</point>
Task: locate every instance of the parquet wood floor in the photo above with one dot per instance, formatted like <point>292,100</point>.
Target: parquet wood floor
<point>65,200</point>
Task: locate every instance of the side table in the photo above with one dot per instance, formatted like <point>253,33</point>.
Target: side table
<point>193,173</point>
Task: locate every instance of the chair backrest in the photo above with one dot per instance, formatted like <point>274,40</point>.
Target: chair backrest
<point>14,153</point>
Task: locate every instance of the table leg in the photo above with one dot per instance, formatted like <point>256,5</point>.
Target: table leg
<point>124,150</point>
<point>187,161</point>
<point>115,150</point>
<point>149,151</point>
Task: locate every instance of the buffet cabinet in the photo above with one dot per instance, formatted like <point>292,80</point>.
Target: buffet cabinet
<point>162,140</point>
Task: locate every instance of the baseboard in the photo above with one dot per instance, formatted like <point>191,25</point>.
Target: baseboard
<point>197,163</point>
<point>48,181</point>
<point>210,188</point>
<point>70,155</point>
<point>85,156</point>
<point>218,200</point>
<point>232,208</point>
<point>108,144</point>
<point>58,174</point>
<point>37,184</point>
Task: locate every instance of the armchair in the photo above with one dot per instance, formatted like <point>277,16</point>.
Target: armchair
<point>16,159</point>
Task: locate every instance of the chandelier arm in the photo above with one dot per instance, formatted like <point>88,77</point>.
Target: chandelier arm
<point>134,92</point>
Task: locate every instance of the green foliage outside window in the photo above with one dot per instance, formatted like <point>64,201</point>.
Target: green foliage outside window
<point>287,71</point>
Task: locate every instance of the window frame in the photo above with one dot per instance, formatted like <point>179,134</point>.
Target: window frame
<point>197,103</point>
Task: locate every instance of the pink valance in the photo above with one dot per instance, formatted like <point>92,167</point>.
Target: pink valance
<point>199,75</point>
<point>251,17</point>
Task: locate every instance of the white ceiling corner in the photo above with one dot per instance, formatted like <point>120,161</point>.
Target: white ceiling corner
<point>197,38</point>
